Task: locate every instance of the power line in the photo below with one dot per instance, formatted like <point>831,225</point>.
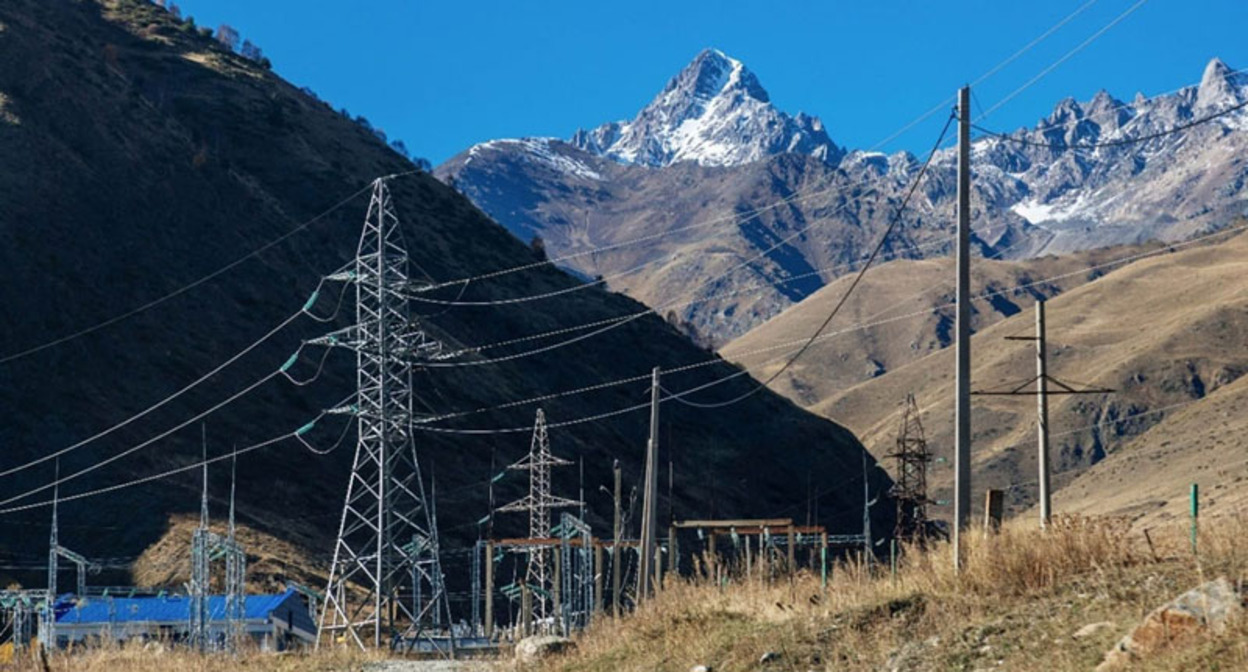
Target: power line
<point>140,446</point>
<point>1065,57</point>
<point>688,367</point>
<point>848,291</point>
<point>944,104</point>
<point>616,324</point>
<point>154,477</point>
<point>305,310</point>
<point>187,287</point>
<point>1113,143</point>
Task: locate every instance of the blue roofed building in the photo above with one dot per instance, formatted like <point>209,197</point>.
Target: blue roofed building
<point>274,622</point>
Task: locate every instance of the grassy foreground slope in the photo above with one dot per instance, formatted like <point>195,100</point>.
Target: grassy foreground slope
<point>1023,602</point>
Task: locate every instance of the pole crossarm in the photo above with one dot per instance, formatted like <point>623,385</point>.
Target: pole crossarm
<point>1022,391</point>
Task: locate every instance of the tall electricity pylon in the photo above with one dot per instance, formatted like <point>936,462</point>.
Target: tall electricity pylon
<point>910,486</point>
<point>388,536</point>
<point>539,503</point>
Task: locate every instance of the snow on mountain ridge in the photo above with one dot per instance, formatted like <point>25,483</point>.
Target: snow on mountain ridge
<point>714,112</point>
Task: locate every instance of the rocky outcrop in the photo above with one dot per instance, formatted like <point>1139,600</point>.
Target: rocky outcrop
<point>1205,609</point>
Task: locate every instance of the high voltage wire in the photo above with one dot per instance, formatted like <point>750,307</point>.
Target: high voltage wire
<point>944,104</point>
<point>819,271</point>
<point>183,289</point>
<point>634,408</point>
<point>302,226</point>
<point>1118,142</point>
<point>117,456</point>
<point>1065,57</point>
<point>636,316</point>
<point>148,479</point>
<point>897,213</point>
<point>305,310</point>
<point>1131,105</point>
<point>187,287</point>
<point>688,367</point>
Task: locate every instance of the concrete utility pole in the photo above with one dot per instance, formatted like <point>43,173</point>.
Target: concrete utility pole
<point>1042,393</point>
<point>962,413</point>
<point>1042,407</point>
<point>616,551</point>
<point>649,506</point>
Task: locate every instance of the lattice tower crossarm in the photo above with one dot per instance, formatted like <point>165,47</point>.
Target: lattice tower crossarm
<point>387,535</point>
<point>538,504</point>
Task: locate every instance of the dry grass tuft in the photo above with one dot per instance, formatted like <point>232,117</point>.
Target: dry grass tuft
<point>1020,598</point>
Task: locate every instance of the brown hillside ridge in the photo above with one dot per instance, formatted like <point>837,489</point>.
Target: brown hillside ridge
<point>901,311</point>
<point>138,156</point>
<point>1165,332</point>
<point>1203,442</point>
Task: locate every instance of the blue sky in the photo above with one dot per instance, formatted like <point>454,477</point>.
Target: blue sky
<point>444,75</point>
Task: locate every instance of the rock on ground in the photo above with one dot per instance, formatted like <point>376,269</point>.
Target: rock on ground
<point>1207,607</point>
<point>1092,629</point>
<point>532,649</point>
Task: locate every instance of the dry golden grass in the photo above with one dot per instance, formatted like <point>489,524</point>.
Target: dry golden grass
<point>155,657</point>
<point>1016,605</point>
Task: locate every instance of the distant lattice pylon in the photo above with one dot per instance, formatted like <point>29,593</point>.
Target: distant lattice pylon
<point>910,481</point>
<point>539,503</point>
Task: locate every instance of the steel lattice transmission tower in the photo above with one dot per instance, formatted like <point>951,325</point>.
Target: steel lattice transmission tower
<point>539,503</point>
<point>910,485</point>
<point>386,579</point>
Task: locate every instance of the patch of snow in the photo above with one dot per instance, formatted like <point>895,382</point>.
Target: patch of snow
<point>540,152</point>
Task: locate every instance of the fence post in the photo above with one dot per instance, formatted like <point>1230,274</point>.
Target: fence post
<point>994,505</point>
<point>1195,514</point>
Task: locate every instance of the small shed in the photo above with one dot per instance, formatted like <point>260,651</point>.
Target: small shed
<point>275,622</point>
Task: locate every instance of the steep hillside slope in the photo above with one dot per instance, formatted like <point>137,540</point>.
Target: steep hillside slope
<point>1148,478</point>
<point>1162,331</point>
<point>687,175</point>
<point>902,311</point>
<point>137,156</point>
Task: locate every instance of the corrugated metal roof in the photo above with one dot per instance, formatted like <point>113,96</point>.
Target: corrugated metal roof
<point>159,609</point>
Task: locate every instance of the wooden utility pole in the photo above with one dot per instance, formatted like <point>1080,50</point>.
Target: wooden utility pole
<point>994,509</point>
<point>617,558</point>
<point>649,506</point>
<point>1042,409</point>
<point>962,412</point>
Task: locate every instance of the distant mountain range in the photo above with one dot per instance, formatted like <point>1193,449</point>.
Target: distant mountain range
<point>745,210</point>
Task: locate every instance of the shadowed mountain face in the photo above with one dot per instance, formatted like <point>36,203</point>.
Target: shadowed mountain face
<point>137,156</point>
<point>712,177</point>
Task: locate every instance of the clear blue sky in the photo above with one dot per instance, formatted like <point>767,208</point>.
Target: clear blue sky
<point>444,75</point>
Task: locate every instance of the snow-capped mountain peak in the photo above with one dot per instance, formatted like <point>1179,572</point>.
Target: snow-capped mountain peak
<point>714,112</point>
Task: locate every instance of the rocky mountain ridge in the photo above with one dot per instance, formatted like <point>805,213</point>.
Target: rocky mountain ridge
<point>726,245</point>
